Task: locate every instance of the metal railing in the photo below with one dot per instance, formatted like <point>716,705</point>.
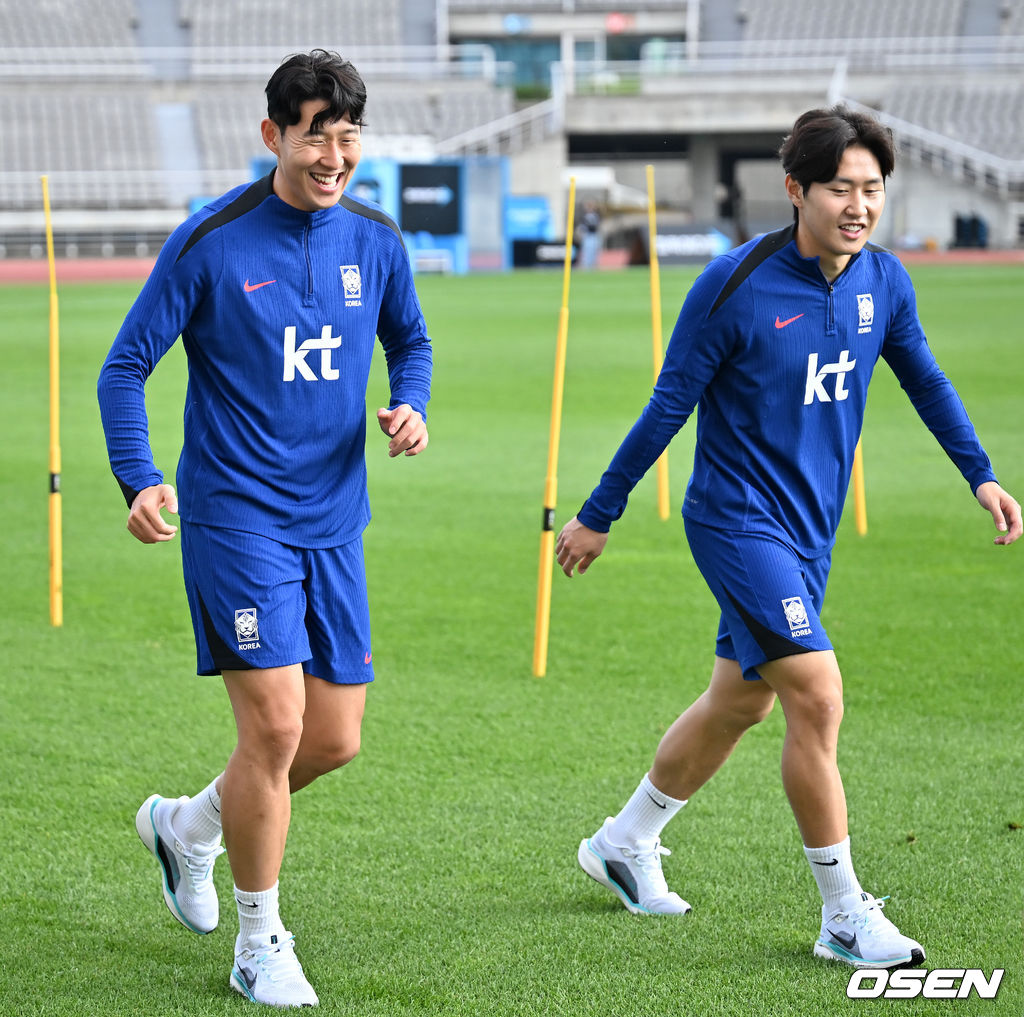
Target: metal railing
<point>949,156</point>
<point>945,52</point>
<point>696,66</point>
<point>508,134</point>
<point>466,62</point>
<point>115,190</point>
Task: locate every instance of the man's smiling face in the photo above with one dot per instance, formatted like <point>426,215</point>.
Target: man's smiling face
<point>838,217</point>
<point>313,167</point>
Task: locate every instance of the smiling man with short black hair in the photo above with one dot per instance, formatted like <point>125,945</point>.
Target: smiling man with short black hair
<point>279,290</point>
<point>776,342</point>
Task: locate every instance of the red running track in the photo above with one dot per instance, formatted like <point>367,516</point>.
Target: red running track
<point>71,270</point>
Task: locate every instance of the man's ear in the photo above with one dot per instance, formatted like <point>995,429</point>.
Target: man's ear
<point>271,136</point>
<point>795,191</point>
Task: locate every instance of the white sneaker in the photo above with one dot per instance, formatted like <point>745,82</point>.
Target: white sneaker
<point>187,872</point>
<point>634,874</point>
<point>859,934</point>
<point>267,971</point>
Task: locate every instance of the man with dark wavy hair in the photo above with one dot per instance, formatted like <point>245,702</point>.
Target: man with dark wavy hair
<point>279,290</point>
<point>776,342</point>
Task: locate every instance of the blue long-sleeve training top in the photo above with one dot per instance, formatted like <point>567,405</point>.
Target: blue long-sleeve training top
<point>778,360</point>
<point>278,310</point>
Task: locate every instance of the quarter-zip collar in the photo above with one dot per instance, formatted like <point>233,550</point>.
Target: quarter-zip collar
<point>296,217</point>
<point>305,225</point>
<point>811,267</point>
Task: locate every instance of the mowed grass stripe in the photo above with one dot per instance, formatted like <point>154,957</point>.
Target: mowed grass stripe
<point>436,874</point>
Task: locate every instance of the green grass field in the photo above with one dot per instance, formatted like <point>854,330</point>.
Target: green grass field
<point>436,874</point>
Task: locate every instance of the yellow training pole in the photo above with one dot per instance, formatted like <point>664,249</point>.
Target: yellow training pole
<point>56,542</point>
<point>547,535</point>
<point>860,506</point>
<point>663,497</point>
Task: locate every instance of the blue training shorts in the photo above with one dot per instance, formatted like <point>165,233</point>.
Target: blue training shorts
<point>769,595</point>
<point>257,603</point>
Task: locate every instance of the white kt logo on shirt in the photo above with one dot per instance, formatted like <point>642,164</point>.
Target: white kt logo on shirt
<point>295,357</point>
<point>815,387</point>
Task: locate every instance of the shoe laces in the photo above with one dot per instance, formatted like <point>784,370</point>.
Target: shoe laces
<point>862,917</point>
<point>277,961</point>
<point>200,864</point>
<point>648,860</point>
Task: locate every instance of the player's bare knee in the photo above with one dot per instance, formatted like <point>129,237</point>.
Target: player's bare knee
<point>759,710</point>
<point>745,711</point>
<point>818,710</point>
<point>274,740</point>
<point>343,751</point>
<point>334,752</point>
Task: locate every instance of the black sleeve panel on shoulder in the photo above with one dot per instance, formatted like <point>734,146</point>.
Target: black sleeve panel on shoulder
<point>764,249</point>
<point>249,199</point>
<point>371,213</point>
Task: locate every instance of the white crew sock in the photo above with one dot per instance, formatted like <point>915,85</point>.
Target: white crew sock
<point>833,872</point>
<point>644,816</point>
<point>197,821</point>
<point>257,913</point>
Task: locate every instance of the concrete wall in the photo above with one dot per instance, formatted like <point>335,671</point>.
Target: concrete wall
<point>923,205</point>
<point>540,170</point>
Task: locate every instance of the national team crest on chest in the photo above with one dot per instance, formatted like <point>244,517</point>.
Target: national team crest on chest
<point>353,283</point>
<point>865,312</point>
